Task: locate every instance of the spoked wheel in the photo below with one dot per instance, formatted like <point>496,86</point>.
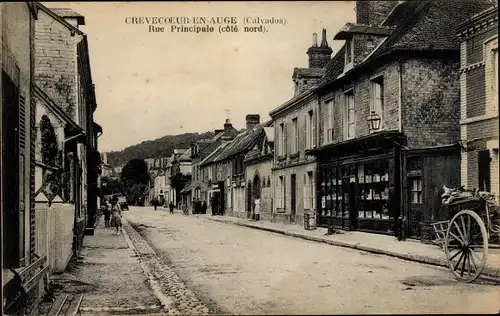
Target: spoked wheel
<point>466,245</point>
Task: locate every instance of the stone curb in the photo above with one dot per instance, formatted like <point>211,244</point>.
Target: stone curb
<point>490,272</point>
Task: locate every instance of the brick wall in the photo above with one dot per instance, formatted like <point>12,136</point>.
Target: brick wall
<point>361,50</point>
<point>476,103</point>
<point>362,88</point>
<point>55,68</point>
<point>431,102</point>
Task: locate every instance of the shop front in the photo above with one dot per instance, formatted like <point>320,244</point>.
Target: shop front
<point>359,183</point>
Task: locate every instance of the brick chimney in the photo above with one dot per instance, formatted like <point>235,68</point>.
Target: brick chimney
<point>228,126</point>
<point>373,12</point>
<point>320,55</point>
<point>252,120</point>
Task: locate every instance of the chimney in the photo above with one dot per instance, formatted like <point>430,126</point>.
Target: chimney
<point>193,148</point>
<point>315,40</point>
<point>228,126</point>
<point>252,120</point>
<point>319,56</point>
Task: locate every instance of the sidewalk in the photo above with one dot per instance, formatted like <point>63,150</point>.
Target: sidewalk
<point>109,275</point>
<point>374,243</point>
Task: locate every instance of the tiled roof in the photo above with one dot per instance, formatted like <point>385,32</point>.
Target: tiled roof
<point>429,24</point>
<point>66,12</point>
<point>186,155</point>
<point>308,72</point>
<point>187,187</point>
<point>242,142</point>
<point>418,25</point>
<point>210,158</point>
<point>334,67</point>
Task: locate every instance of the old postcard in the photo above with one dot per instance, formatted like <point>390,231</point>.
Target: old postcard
<point>282,158</point>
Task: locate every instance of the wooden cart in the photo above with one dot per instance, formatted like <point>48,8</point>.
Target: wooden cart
<point>464,238</point>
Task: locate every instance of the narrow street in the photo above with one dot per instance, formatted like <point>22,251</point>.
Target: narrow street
<point>238,270</point>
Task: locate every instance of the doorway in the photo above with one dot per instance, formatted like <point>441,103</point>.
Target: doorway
<point>484,170</point>
<point>293,199</point>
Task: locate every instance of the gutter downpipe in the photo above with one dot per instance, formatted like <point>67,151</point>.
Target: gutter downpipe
<point>403,216</point>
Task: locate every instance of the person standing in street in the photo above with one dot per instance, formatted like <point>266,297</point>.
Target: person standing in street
<point>171,205</point>
<point>204,207</point>
<point>116,217</point>
<point>107,214</point>
<point>257,209</point>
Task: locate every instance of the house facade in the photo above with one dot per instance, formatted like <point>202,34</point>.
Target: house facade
<point>389,118</point>
<point>295,129</point>
<point>479,101</point>
<point>63,73</point>
<point>259,174</point>
<point>17,161</point>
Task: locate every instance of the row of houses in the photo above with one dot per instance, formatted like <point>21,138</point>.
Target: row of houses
<point>409,103</point>
<point>50,162</point>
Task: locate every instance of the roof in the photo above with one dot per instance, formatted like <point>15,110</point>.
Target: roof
<point>427,25</point>
<point>186,155</point>
<point>308,72</point>
<point>59,18</point>
<point>210,158</point>
<point>485,14</point>
<point>349,29</point>
<point>187,187</point>
<point>304,95</point>
<point>68,13</point>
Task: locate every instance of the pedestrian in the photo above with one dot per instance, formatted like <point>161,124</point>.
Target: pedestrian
<point>155,203</point>
<point>204,207</point>
<point>171,205</point>
<point>256,209</point>
<point>393,210</point>
<point>116,217</point>
<point>107,214</point>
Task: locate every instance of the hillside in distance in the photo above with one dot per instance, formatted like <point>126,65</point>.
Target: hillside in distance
<point>161,147</point>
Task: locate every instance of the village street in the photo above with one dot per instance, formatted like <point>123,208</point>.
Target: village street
<point>239,270</point>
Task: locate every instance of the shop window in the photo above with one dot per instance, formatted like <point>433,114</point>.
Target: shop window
<point>374,183</point>
<point>416,191</point>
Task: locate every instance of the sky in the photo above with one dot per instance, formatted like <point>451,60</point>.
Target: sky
<point>152,84</point>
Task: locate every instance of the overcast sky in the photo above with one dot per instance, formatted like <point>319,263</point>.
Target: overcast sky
<point>149,85</point>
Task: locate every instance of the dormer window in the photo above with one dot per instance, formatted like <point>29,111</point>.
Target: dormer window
<point>369,43</point>
<point>349,51</point>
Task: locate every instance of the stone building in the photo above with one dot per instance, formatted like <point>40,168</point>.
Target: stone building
<point>21,259</point>
<point>389,116</point>
<point>258,173</point>
<point>295,124</point>
<point>479,101</point>
<point>63,73</point>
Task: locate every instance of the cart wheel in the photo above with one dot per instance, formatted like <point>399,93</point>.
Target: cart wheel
<point>466,245</point>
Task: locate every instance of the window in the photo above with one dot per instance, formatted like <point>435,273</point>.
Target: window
<point>377,98</point>
<point>350,122</point>
<point>309,129</point>
<point>295,147</point>
<point>349,47</point>
<point>279,192</point>
<point>329,123</point>
<point>282,139</point>
<point>416,191</point>
<point>369,43</point>
<point>484,170</point>
<point>312,126</point>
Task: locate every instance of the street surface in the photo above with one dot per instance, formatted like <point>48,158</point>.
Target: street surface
<point>239,270</point>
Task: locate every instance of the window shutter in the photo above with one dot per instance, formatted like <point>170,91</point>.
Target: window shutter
<point>313,138</point>
<point>285,143</point>
<point>306,134</point>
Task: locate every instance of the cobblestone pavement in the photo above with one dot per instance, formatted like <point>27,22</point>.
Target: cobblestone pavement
<point>246,271</point>
<point>175,296</point>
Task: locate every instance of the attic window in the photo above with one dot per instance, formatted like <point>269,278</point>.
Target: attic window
<point>369,43</point>
<point>349,48</point>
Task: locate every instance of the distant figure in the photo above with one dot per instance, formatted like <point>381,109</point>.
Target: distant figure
<point>171,205</point>
<point>116,217</point>
<point>107,214</point>
<point>257,209</point>
<point>204,207</point>
<point>155,203</point>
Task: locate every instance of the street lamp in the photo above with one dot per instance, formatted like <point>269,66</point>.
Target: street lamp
<point>374,121</point>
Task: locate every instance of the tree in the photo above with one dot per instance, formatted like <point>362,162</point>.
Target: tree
<point>135,180</point>
<point>178,181</point>
<point>111,186</point>
<point>50,147</point>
